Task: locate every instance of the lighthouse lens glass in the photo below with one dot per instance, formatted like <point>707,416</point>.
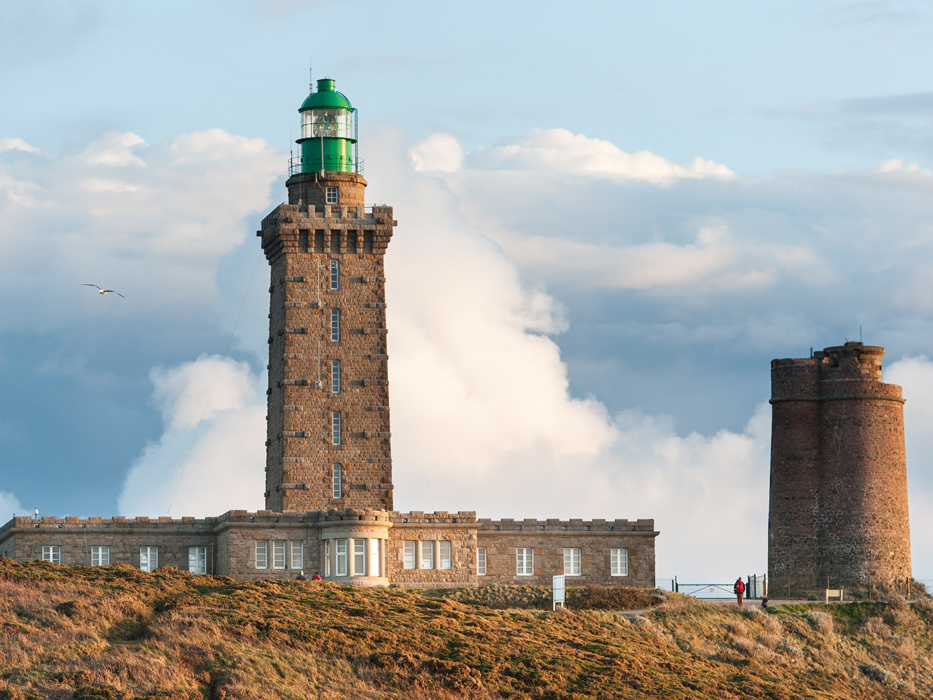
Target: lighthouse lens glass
<point>333,123</point>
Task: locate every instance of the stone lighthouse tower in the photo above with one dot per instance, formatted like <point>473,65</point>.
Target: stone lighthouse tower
<point>328,440</point>
<point>838,511</point>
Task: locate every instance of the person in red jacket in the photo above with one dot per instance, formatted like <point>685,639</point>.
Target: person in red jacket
<point>739,589</point>
<point>316,577</point>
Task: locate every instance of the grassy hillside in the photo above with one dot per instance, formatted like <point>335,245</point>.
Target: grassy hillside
<point>116,632</point>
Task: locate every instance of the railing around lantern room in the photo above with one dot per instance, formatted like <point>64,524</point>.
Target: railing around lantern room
<point>349,164</point>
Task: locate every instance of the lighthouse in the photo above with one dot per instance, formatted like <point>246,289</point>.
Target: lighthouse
<point>328,442</point>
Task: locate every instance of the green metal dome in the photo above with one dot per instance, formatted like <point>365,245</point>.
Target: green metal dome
<point>326,97</point>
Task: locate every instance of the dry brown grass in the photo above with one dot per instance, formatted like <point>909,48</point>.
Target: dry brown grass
<point>115,633</point>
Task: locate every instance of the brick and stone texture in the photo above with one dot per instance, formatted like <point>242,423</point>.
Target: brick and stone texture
<point>426,531</point>
<point>23,539</point>
<point>550,538</point>
<point>838,512</point>
<point>317,319</point>
<point>372,543</point>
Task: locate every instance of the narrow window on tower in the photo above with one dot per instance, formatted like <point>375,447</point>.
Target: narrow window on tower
<point>335,428</point>
<point>335,377</point>
<point>338,481</point>
<point>368,242</point>
<point>335,242</point>
<point>351,241</point>
<point>335,324</point>
<point>334,275</point>
<point>318,241</point>
<point>303,244</point>
<point>331,195</point>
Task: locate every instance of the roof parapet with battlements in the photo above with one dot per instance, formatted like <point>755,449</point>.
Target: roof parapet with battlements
<point>645,525</point>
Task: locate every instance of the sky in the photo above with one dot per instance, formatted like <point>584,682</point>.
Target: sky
<point>611,218</point>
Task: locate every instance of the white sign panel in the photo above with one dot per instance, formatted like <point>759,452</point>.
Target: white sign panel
<point>558,591</point>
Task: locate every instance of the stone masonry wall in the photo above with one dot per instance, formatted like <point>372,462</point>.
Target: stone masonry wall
<point>426,530</point>
<point>26,537</point>
<point>838,513</point>
<point>300,243</point>
<point>549,538</point>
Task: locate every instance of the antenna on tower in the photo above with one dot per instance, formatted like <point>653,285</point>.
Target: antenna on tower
<point>310,75</point>
<point>860,333</point>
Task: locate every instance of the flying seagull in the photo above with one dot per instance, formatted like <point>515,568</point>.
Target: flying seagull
<point>104,291</point>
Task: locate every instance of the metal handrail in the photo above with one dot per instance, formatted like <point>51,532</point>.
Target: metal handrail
<point>339,163</point>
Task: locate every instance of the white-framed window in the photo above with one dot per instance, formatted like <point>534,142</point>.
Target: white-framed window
<point>340,549</point>
<point>148,558</point>
<point>525,561</point>
<point>100,555</point>
<point>359,557</point>
<point>374,567</point>
<point>411,555</point>
<point>335,376</point>
<point>443,554</point>
<point>331,195</point>
<point>481,561</point>
<point>335,324</point>
<point>572,562</point>
<point>197,560</point>
<point>427,554</point>
<point>618,562</point>
<point>278,554</point>
<point>262,555</point>
<point>327,558</point>
<point>338,481</point>
<point>334,275</point>
<point>336,433</point>
<point>298,555</point>
<point>52,553</point>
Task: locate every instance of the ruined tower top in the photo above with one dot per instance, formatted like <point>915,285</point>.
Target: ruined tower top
<point>838,508</point>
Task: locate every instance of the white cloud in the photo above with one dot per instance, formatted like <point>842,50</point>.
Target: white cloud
<point>10,506</point>
<point>896,165</point>
<point>483,417</point>
<point>115,149</point>
<point>440,152</point>
<point>15,144</point>
<point>153,221</point>
<point>560,150</point>
<point>915,375</point>
<point>211,456</point>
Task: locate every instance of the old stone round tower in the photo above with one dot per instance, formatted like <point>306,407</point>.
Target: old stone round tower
<point>838,511</point>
